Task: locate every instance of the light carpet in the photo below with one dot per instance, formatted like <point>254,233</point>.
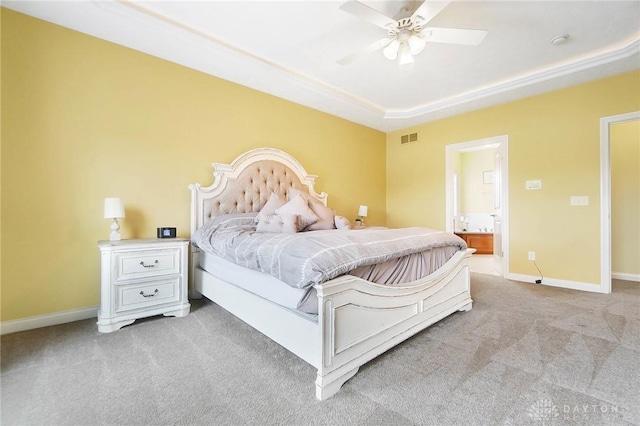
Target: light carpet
<point>525,354</point>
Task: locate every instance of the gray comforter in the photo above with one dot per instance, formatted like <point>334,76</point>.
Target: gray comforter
<point>308,258</point>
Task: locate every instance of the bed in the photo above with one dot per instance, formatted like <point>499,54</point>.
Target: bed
<point>356,319</point>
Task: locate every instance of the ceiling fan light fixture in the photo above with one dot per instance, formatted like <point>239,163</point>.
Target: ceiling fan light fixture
<point>405,55</point>
<point>416,44</point>
<point>408,35</point>
<point>391,51</point>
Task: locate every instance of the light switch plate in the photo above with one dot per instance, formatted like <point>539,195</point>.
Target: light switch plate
<point>533,184</point>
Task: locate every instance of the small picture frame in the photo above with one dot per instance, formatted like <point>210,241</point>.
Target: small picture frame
<point>487,177</point>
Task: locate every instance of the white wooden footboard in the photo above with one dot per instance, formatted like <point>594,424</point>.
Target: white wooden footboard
<point>361,320</point>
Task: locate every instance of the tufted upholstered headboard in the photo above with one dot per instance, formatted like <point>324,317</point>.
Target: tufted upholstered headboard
<point>244,185</point>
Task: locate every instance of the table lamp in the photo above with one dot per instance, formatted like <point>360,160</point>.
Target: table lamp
<point>362,213</point>
<point>113,209</point>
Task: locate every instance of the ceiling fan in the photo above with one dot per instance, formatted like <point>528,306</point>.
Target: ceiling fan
<point>407,36</point>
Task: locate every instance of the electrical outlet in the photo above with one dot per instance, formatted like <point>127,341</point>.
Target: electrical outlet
<point>579,200</point>
<point>532,255</point>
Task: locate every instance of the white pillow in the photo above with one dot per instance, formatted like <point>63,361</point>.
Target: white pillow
<point>274,202</point>
<point>342,223</point>
<point>298,206</point>
<point>324,213</point>
<point>279,224</point>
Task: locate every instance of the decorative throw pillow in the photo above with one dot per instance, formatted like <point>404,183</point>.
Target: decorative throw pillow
<point>343,223</point>
<point>298,206</point>
<point>274,202</point>
<point>324,213</point>
<point>278,224</point>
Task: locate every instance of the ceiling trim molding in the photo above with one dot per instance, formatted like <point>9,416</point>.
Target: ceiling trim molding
<point>607,57</point>
<point>226,61</point>
<point>376,112</point>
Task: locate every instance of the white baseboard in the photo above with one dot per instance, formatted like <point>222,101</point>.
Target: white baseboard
<point>30,323</point>
<point>626,277</point>
<point>553,282</point>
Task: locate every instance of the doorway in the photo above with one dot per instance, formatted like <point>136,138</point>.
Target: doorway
<point>605,194</point>
<point>497,175</point>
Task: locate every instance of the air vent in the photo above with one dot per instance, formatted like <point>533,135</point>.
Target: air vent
<point>412,137</point>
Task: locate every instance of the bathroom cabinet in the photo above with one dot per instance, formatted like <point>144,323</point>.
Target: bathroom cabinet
<point>481,241</point>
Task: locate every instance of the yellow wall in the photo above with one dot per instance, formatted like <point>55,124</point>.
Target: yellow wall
<point>89,119</point>
<point>625,197</point>
<point>553,137</point>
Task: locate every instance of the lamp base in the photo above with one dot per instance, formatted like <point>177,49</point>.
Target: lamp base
<point>115,231</point>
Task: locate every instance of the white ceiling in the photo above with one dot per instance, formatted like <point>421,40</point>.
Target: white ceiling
<point>289,49</point>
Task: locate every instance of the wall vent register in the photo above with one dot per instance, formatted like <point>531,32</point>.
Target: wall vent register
<point>411,137</point>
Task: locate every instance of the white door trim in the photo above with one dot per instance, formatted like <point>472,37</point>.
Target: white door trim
<point>605,194</point>
<point>503,142</point>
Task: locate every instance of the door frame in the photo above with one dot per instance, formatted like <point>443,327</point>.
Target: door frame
<point>502,143</point>
<point>605,194</point>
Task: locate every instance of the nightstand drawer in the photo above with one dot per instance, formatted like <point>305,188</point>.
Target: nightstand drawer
<point>140,264</point>
<point>145,294</point>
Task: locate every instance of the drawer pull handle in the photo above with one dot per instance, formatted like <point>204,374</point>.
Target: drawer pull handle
<point>154,264</point>
<point>149,295</point>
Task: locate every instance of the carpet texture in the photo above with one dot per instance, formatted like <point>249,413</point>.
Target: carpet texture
<point>524,355</point>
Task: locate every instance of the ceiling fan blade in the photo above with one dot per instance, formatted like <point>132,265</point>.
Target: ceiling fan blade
<point>428,10</point>
<point>453,35</point>
<point>368,14</point>
<point>371,48</point>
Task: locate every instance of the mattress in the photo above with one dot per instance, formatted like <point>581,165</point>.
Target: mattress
<point>260,283</point>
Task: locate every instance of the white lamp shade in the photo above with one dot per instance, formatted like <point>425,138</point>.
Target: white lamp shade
<point>362,211</point>
<point>391,51</point>
<point>113,208</point>
<point>416,44</point>
<point>405,55</point>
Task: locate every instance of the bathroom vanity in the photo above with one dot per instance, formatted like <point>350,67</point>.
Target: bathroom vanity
<point>481,241</point>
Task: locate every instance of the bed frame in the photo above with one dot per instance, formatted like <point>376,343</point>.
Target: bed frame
<point>357,320</point>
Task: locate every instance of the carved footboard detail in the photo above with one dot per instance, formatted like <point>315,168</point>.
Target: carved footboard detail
<point>373,321</point>
<point>361,320</point>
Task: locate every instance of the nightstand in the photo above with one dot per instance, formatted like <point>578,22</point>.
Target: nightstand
<point>142,278</point>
